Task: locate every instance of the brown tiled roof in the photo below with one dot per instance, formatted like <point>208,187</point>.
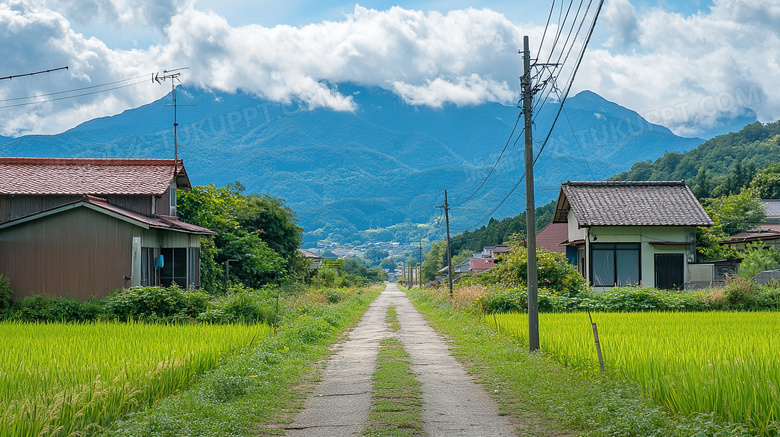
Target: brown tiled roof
<point>631,203</point>
<point>77,176</point>
<point>551,237</point>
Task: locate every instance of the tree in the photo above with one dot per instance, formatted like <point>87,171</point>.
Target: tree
<point>732,214</point>
<point>435,259</point>
<point>736,213</point>
<point>274,223</point>
<point>218,209</point>
<point>702,186</point>
<point>373,256</point>
<point>556,275</point>
<point>766,184</point>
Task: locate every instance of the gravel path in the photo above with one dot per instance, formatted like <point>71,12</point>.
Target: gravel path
<point>453,405</point>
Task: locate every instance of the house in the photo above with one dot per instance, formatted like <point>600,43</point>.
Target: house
<point>631,232</point>
<point>481,265</point>
<point>313,258</point>
<point>552,237</point>
<point>767,232</point>
<point>84,227</point>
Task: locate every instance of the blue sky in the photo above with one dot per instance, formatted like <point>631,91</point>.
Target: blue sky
<point>689,65</point>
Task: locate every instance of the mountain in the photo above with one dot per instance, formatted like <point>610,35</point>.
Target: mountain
<point>385,165</point>
<point>719,166</point>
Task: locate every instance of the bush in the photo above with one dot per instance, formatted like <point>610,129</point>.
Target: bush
<point>241,305</point>
<point>156,304</point>
<point>758,258</point>
<point>6,297</point>
<point>56,309</point>
<point>747,295</point>
<point>555,274</point>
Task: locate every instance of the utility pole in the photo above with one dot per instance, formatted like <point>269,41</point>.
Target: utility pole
<point>446,207</point>
<point>533,280</point>
<point>419,275</point>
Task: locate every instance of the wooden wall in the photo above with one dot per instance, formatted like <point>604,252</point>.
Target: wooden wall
<point>78,253</point>
<point>15,206</point>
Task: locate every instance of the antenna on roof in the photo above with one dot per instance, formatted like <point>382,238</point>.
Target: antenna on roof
<point>173,75</point>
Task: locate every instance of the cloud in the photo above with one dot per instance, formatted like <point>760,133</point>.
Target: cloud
<point>126,13</point>
<point>684,65</point>
<point>619,15</point>
<point>470,90</point>
<point>689,72</point>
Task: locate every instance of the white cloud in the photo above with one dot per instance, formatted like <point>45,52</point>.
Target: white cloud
<point>670,66</point>
<point>470,90</point>
<point>619,15</point>
<point>691,72</point>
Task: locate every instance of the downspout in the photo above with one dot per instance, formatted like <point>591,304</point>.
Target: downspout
<point>587,257</point>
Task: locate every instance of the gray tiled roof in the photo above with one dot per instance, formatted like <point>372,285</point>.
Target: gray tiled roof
<point>631,203</point>
<point>772,207</point>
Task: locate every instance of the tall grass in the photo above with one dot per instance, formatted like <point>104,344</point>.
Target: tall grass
<point>59,379</point>
<point>722,363</point>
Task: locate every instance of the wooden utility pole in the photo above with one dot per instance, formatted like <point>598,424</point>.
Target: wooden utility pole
<point>533,281</point>
<point>419,275</point>
<point>449,250</point>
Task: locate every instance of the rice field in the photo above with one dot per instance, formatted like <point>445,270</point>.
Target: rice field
<point>60,379</point>
<point>717,362</point>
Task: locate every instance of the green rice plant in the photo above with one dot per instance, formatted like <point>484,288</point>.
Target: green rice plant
<point>721,363</point>
<point>61,379</point>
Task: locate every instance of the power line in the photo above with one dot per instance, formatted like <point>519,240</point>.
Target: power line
<point>70,91</point>
<point>73,96</point>
<point>563,100</point>
<point>509,140</point>
<point>571,79</point>
<point>541,43</point>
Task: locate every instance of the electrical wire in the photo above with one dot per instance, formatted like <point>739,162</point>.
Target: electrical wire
<point>571,79</point>
<point>560,108</point>
<point>73,96</point>
<point>509,140</point>
<point>71,91</point>
<point>552,7</point>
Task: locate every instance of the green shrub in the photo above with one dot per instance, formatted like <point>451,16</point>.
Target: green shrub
<point>56,309</point>
<point>242,305</point>
<point>156,304</point>
<point>747,295</point>
<point>555,274</point>
<point>503,301</point>
<point>756,259</point>
<point>6,297</point>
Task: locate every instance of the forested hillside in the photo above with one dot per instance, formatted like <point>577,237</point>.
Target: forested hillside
<point>719,166</point>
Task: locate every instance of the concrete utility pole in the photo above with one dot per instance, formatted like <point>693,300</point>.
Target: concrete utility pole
<point>533,281</point>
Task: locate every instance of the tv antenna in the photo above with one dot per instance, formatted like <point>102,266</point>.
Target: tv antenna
<point>13,76</point>
<point>173,75</point>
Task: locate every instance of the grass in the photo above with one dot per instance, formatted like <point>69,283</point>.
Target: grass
<point>546,398</point>
<point>396,402</point>
<point>59,379</point>
<point>721,363</point>
<point>392,318</point>
<point>257,391</point>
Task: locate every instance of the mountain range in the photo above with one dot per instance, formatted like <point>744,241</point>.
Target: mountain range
<point>376,173</point>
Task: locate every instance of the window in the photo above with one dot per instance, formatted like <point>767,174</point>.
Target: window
<point>148,272</point>
<point>174,268</point>
<point>615,264</point>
